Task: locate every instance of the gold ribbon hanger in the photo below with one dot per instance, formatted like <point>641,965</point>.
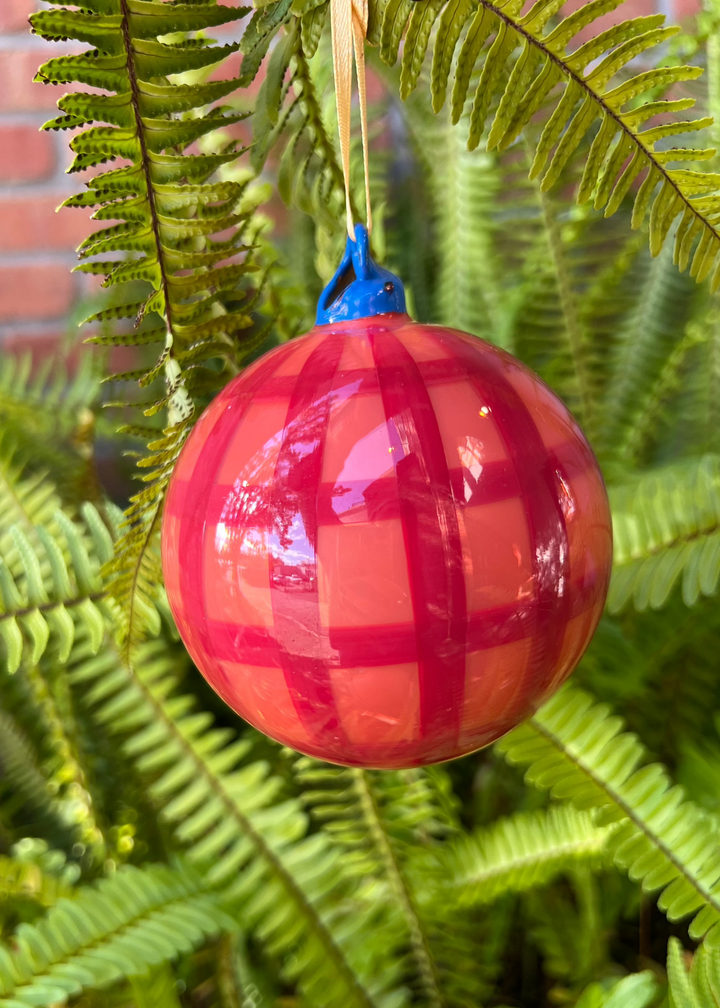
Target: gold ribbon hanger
<point>349,20</point>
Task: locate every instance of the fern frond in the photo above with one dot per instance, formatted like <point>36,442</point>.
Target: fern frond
<point>117,928</point>
<point>169,209</point>
<point>49,418</point>
<point>666,525</point>
<point>698,986</point>
<point>134,571</point>
<point>47,590</point>
<point>466,187</point>
<point>522,852</point>
<point>523,66</point>
<point>289,111</point>
<point>657,408</point>
<point>645,344</point>
<point>375,817</point>
<point>389,825</point>
<point>224,813</point>
<point>27,500</point>
<point>46,704</point>
<point>577,751</point>
<point>21,772</point>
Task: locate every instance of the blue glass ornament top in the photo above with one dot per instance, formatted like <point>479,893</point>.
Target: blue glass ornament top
<point>360,288</point>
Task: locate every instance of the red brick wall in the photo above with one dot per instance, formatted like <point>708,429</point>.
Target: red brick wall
<point>37,245</point>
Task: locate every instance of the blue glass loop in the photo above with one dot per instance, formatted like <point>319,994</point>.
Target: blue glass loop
<point>360,288</point>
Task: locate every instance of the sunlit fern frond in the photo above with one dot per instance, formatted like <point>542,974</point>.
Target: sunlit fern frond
<point>666,526</point>
<point>169,209</point>
<point>133,571</point>
<point>526,64</point>
<point>120,927</point>
<point>522,852</point>
<point>293,888</point>
<point>576,749</point>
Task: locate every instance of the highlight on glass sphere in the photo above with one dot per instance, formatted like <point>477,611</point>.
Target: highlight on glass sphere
<point>385,543</point>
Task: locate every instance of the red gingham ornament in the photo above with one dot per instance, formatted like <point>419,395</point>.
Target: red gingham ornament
<point>385,544</point>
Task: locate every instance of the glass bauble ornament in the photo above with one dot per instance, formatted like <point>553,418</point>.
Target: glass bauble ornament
<point>385,544</point>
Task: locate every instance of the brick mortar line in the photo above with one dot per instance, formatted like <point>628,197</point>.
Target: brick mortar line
<point>37,257</point>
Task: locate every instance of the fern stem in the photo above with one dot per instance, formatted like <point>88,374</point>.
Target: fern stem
<point>420,945</point>
<point>62,739</point>
<point>149,529</point>
<point>47,606</point>
<point>263,849</point>
<point>180,404</point>
<point>569,307</point>
<point>713,76</point>
<point>627,810</point>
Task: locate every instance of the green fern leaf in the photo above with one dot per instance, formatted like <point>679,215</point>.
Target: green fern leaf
<point>522,852</point>
<point>700,985</point>
<point>120,927</point>
<point>576,750</point>
<point>452,21</point>
<point>522,65</point>
<point>291,886</point>
<point>665,528</point>
<point>167,217</point>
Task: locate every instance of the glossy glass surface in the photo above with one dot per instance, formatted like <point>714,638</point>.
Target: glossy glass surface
<point>385,543</point>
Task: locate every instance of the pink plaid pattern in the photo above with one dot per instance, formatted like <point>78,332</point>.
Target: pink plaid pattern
<point>385,544</point>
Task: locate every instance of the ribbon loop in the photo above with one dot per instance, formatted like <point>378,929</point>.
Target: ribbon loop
<point>349,27</point>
